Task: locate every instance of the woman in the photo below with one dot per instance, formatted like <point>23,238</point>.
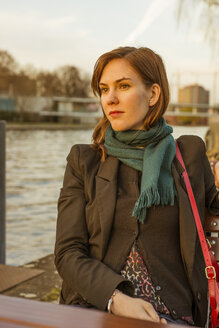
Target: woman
<point>126,239</point>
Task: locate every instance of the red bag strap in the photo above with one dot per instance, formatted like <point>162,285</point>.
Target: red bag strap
<point>210,271</point>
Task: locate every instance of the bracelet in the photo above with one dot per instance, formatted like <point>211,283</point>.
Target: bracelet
<point>116,291</point>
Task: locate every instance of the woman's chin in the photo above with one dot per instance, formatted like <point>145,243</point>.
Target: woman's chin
<point>119,127</point>
<point>124,126</point>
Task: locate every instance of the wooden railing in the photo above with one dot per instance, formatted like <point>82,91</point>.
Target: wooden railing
<point>21,313</point>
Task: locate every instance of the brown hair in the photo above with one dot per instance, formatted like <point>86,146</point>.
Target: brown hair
<point>150,68</point>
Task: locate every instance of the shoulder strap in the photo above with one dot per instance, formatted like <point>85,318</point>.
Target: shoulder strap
<point>194,209</point>
<point>210,271</point>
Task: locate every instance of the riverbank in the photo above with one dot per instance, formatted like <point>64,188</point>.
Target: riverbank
<point>44,287</point>
<point>48,126</point>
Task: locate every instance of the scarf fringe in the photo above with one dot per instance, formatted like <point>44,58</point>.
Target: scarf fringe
<point>152,196</point>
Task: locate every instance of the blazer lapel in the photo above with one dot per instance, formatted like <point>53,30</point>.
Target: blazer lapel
<point>188,232</point>
<point>106,190</point>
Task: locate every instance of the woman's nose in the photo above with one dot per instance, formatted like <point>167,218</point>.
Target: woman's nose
<point>112,98</point>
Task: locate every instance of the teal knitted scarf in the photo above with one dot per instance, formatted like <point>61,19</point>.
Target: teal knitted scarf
<point>154,160</point>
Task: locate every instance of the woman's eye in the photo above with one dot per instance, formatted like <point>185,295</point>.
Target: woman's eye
<point>124,86</point>
<point>103,90</point>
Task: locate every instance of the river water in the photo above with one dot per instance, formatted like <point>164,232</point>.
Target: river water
<point>35,163</point>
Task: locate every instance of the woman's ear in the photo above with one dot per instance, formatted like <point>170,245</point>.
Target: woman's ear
<point>155,94</point>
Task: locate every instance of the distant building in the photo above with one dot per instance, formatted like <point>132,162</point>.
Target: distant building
<point>74,104</point>
<point>193,98</point>
<point>193,94</point>
<point>7,104</point>
<point>74,110</point>
<point>33,104</point>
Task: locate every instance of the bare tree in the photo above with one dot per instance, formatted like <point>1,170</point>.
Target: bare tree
<point>208,18</point>
<point>72,83</point>
<point>65,81</point>
<point>49,84</point>
<point>24,85</point>
<point>8,68</point>
<point>27,81</point>
<point>30,71</point>
<point>8,65</point>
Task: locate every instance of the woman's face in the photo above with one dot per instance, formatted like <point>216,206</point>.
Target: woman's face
<point>124,97</point>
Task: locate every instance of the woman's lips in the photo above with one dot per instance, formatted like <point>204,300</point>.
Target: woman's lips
<point>115,113</point>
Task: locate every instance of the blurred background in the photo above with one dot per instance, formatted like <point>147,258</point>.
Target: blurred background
<point>47,53</point>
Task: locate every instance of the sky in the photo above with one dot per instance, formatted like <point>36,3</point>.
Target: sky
<point>49,34</point>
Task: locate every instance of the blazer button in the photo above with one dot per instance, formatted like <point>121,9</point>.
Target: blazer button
<point>174,314</point>
<point>199,296</point>
<point>158,288</point>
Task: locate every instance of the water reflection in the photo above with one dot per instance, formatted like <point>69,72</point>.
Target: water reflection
<point>35,167</point>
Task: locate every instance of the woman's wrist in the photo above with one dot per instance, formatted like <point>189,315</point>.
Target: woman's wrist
<point>112,299</point>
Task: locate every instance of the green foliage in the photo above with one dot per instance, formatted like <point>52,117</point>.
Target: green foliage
<point>52,296</point>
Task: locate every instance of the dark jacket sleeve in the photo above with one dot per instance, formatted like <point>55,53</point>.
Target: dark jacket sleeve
<point>87,276</point>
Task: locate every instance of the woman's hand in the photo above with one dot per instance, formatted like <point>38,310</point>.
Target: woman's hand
<point>137,308</point>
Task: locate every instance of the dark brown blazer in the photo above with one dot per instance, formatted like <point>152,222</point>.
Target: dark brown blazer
<point>85,217</point>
